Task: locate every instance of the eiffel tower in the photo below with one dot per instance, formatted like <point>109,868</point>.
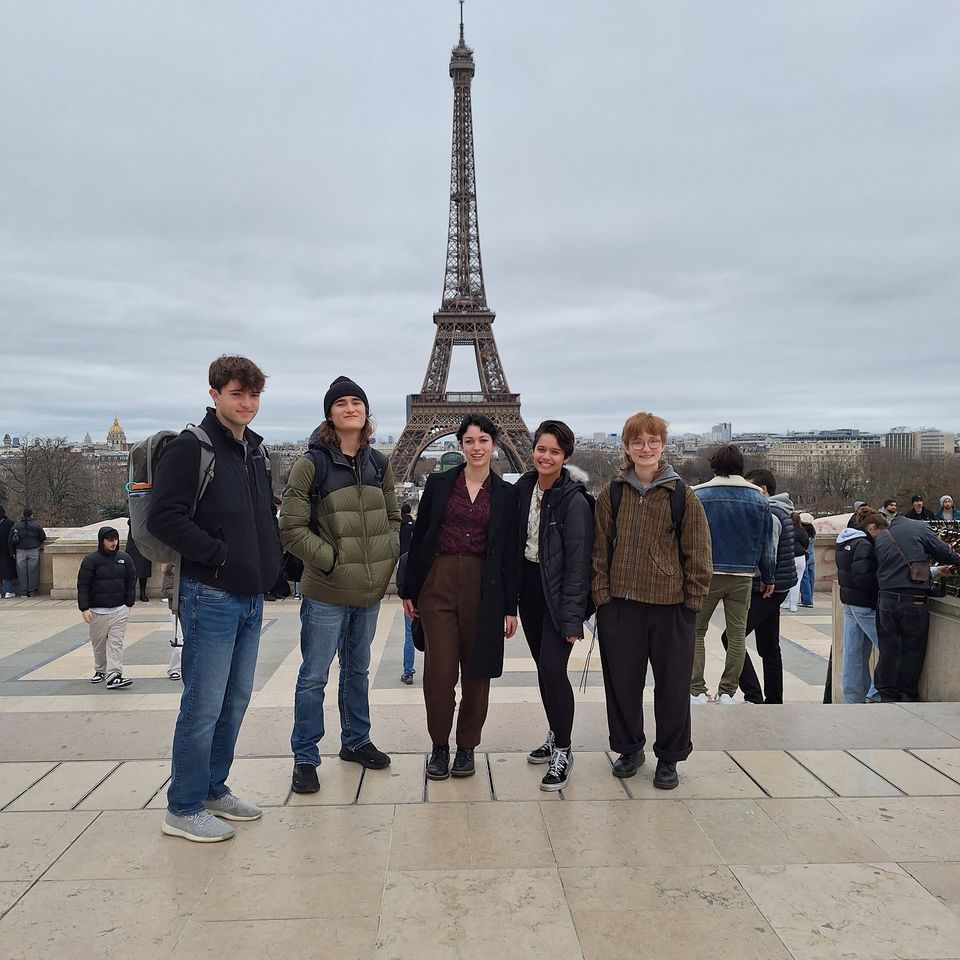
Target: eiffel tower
<point>464,319</point>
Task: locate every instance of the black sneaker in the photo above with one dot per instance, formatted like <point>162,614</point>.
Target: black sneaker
<point>367,755</point>
<point>666,777</point>
<point>438,766</point>
<point>406,678</point>
<point>627,764</point>
<point>544,752</point>
<point>561,763</point>
<point>463,763</point>
<point>97,677</point>
<point>305,779</point>
<point>117,682</point>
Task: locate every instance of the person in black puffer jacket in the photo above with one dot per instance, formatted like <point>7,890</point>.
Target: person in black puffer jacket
<point>557,519</point>
<point>106,590</point>
<point>857,577</point>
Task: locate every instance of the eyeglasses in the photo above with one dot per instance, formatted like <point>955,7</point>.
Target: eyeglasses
<point>640,444</point>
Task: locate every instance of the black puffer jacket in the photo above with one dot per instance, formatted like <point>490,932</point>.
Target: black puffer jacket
<point>106,578</point>
<point>856,568</point>
<point>565,547</point>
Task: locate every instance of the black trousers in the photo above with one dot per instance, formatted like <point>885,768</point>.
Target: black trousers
<point>764,621</point>
<point>631,635</point>
<point>903,622</point>
<point>550,652</point>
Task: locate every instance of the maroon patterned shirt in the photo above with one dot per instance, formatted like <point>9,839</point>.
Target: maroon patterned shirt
<point>464,525</point>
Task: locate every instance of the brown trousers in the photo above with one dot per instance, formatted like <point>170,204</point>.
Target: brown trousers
<point>448,605</point>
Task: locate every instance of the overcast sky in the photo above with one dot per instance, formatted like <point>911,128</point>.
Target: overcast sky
<point>743,211</point>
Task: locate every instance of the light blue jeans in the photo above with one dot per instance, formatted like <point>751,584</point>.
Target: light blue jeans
<point>221,638</point>
<point>859,637</point>
<point>326,630</point>
<point>806,583</point>
<point>409,650</point>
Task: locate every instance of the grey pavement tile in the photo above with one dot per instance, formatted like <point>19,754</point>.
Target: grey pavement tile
<point>515,779</point>
<point>128,844</point>
<point>475,915</point>
<point>597,833</point>
<point>462,789</point>
<point>821,832</point>
<point>706,774</point>
<point>908,828</point>
<point>350,938</point>
<point>466,836</point>
<point>668,911</point>
<point>10,893</point>
<point>946,761</point>
<point>944,716</point>
<point>874,911</point>
<point>15,778</point>
<point>311,841</point>
<point>264,781</point>
<point>940,879</point>
<point>129,787</point>
<point>339,783</point>
<point>32,841</point>
<point>844,774</point>
<point>332,896</point>
<point>908,773</point>
<point>401,782</point>
<point>591,778</point>
<point>779,774</point>
<point>115,919</point>
<point>64,787</point>
<point>743,833</point>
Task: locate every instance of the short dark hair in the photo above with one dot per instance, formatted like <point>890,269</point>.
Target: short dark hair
<point>916,497</point>
<point>762,477</point>
<point>406,510</point>
<point>558,429</point>
<point>477,420</point>
<point>727,460</point>
<point>226,368</point>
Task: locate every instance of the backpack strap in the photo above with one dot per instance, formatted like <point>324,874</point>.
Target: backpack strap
<point>616,497</point>
<point>319,462</point>
<point>208,461</point>
<point>678,502</point>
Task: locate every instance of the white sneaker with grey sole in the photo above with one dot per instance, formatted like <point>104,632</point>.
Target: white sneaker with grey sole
<point>200,827</point>
<point>231,807</point>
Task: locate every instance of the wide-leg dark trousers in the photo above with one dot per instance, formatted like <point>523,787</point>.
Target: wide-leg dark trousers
<point>448,606</point>
<point>631,635</point>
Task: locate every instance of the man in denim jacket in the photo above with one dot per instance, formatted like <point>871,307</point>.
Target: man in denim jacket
<point>741,530</point>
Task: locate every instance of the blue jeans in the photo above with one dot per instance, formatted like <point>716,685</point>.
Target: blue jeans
<point>859,637</point>
<point>408,648</point>
<point>221,637</point>
<point>6,586</point>
<point>328,629</point>
<point>806,583</point>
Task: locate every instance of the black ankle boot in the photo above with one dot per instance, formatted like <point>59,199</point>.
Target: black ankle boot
<point>463,763</point>
<point>438,766</point>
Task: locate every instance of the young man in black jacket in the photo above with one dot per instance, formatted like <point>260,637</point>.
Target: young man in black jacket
<point>230,549</point>
<point>106,590</point>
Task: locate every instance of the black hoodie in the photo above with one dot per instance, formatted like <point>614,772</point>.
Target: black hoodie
<point>107,578</point>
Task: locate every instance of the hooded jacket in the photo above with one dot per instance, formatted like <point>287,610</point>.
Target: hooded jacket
<point>916,542</point>
<point>565,546</point>
<point>645,565</point>
<point>350,560</point>
<point>856,568</point>
<point>26,535</point>
<point>741,526</point>
<point>781,506</point>
<point>107,578</point>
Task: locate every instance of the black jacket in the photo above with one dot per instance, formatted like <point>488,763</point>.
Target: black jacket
<point>106,580</point>
<point>565,547</point>
<point>801,540</point>
<point>8,566</point>
<point>856,568</point>
<point>406,533</point>
<point>28,535</point>
<point>232,541</point>
<point>924,514</point>
<point>498,593</point>
<point>916,542</point>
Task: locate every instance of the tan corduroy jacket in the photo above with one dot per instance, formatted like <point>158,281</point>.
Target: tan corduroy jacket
<point>646,561</point>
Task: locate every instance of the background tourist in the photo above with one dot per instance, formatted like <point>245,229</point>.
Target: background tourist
<point>141,564</point>
<point>889,508</point>
<point>461,580</point>
<point>555,520</point>
<point>8,560</point>
<point>946,511</point>
<point>26,537</point>
<point>409,652</point>
<point>807,580</point>
<point>917,510</point>
<point>648,588</point>
<point>801,543</point>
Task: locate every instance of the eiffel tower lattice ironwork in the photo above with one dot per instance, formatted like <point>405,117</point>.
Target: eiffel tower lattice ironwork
<point>464,319</point>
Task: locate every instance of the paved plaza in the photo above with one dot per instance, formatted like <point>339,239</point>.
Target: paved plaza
<point>801,830</point>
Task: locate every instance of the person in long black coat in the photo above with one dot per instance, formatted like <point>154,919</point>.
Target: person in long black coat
<point>461,580</point>
<point>143,566</point>
<point>8,563</point>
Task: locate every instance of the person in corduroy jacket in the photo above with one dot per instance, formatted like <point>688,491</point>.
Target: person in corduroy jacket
<point>648,588</point>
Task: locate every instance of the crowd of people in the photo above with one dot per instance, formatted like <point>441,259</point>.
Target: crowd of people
<point>652,555</point>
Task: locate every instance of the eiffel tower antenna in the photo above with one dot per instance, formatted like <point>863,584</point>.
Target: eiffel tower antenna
<point>464,319</point>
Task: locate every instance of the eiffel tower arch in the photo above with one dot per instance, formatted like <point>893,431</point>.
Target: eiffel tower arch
<point>464,319</point>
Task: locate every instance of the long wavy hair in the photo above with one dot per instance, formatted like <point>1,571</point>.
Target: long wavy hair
<point>328,433</point>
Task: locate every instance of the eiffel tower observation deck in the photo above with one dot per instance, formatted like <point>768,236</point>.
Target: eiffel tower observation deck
<point>464,318</point>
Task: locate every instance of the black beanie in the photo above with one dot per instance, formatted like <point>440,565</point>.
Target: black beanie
<point>343,387</point>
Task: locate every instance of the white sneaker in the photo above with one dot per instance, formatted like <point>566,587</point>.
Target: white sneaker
<point>725,698</point>
<point>701,698</point>
<point>9,596</point>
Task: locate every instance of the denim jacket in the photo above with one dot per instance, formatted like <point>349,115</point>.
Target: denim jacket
<point>741,527</point>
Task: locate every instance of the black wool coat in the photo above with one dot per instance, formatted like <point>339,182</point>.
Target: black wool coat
<point>498,593</point>
<point>8,566</point>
